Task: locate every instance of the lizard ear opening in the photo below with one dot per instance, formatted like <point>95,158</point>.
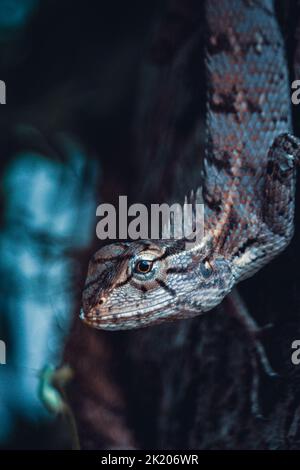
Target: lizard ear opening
<point>206,269</point>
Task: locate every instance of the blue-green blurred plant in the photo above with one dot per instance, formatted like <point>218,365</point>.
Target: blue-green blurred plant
<point>49,210</point>
<point>14,16</point>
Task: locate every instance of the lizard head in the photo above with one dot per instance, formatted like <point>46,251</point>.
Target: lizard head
<point>135,284</point>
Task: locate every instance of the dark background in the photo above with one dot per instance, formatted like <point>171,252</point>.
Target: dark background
<point>89,70</point>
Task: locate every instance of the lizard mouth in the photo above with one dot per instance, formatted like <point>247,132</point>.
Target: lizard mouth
<point>130,319</point>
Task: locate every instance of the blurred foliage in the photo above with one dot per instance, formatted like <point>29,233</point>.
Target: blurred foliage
<point>71,69</point>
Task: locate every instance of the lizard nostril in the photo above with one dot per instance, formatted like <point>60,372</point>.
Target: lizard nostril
<point>101,300</point>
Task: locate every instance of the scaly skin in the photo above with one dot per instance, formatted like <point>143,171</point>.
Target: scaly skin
<point>248,185</point>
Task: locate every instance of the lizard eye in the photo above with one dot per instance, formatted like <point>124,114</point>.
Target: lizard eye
<point>143,266</point>
<point>206,269</point>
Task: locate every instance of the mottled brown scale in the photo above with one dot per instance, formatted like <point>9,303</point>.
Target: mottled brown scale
<point>248,184</point>
<point>245,74</point>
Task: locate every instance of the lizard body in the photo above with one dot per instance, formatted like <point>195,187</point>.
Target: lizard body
<point>248,185</point>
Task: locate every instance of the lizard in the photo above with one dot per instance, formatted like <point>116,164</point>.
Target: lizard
<point>248,185</point>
